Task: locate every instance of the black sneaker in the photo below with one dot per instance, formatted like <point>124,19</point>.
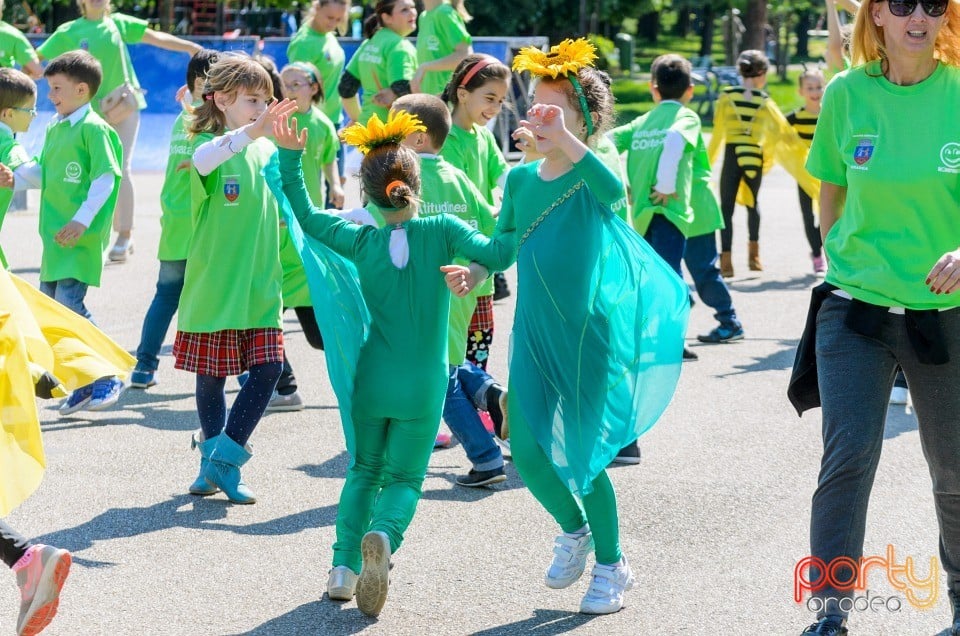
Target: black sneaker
<point>826,626</point>
<point>689,355</point>
<point>496,413</point>
<point>477,478</point>
<point>955,602</point>
<point>628,455</point>
<point>500,288</point>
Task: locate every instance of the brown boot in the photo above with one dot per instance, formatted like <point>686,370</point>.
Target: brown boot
<point>726,265</point>
<point>753,256</point>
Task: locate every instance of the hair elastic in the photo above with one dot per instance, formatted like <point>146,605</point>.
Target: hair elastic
<point>584,107</point>
<point>393,185</point>
<point>478,66</point>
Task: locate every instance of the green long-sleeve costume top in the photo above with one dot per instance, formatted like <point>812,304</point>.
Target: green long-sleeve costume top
<point>402,368</point>
<point>599,324</point>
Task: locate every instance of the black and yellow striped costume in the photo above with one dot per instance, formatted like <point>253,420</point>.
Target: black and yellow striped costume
<point>805,123</point>
<point>756,133</point>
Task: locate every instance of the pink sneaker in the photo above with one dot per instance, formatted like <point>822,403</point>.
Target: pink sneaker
<point>487,421</point>
<point>819,265</point>
<point>443,440</point>
<point>41,573</point>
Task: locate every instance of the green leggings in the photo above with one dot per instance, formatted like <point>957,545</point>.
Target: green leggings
<point>384,484</point>
<point>599,509</point>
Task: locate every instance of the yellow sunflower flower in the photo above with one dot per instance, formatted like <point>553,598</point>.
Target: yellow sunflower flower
<point>567,57</point>
<point>376,133</point>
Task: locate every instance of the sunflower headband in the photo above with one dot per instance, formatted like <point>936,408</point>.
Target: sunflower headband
<point>566,59</point>
<point>376,133</point>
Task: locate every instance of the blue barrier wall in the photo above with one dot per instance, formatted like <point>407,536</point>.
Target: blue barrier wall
<point>162,73</point>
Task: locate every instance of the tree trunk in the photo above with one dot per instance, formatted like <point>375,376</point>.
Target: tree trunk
<point>682,27</point>
<point>708,16</point>
<point>803,38</point>
<point>648,27</point>
<point>754,20</point>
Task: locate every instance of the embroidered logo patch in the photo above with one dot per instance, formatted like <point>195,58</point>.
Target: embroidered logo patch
<point>72,172</point>
<point>231,189</point>
<point>863,151</point>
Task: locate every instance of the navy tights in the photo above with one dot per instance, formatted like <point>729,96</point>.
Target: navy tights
<point>247,409</point>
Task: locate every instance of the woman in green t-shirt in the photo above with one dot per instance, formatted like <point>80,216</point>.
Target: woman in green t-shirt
<point>316,43</point>
<point>887,155</point>
<point>105,35</point>
<point>442,43</point>
<point>385,62</point>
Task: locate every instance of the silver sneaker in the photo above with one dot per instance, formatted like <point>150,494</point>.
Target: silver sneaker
<point>341,584</point>
<point>608,583</point>
<point>569,560</point>
<point>279,403</point>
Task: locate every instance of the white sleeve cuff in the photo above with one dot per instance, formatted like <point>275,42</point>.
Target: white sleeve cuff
<point>209,155</point>
<point>100,190</point>
<point>27,176</point>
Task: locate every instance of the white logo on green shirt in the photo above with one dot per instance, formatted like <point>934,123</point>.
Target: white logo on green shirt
<point>433,43</point>
<point>73,172</point>
<point>647,139</point>
<point>950,157</point>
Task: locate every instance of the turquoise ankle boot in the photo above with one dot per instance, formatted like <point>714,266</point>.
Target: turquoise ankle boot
<point>223,470</point>
<point>200,485</point>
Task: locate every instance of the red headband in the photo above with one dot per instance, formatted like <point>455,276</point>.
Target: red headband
<point>480,64</point>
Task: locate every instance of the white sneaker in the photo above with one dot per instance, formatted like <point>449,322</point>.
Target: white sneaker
<point>899,395</point>
<point>569,560</point>
<point>341,584</point>
<point>280,403</point>
<point>605,594</point>
<point>374,579</point>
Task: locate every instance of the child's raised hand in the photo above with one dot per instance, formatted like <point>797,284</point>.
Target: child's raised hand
<point>6,176</point>
<point>70,233</point>
<point>274,112</point>
<point>545,120</point>
<point>287,135</point>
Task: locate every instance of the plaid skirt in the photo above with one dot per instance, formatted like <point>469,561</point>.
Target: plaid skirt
<point>483,315</point>
<point>228,352</point>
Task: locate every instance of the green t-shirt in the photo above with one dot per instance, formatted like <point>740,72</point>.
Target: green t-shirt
<point>233,271</point>
<point>642,140</point>
<point>106,40</point>
<point>176,222</point>
<point>73,156</point>
<point>439,31</point>
<point>379,62</point>
<point>322,146</point>
<point>15,48</point>
<point>707,216</point>
<point>323,51</point>
<point>610,156</point>
<point>447,190</point>
<point>902,180</point>
<point>476,152</point>
<point>13,156</point>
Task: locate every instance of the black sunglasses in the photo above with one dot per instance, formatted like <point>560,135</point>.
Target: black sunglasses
<point>904,8</point>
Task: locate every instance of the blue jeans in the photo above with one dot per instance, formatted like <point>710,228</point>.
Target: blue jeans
<point>161,311</point>
<point>461,416</point>
<point>701,257</point>
<point>666,240</point>
<point>475,382</point>
<point>856,374</point>
<point>70,293</point>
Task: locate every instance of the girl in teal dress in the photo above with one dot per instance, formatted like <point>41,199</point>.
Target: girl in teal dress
<point>599,323</point>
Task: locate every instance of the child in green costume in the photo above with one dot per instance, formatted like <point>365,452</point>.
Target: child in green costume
<point>225,329</point>
<point>18,107</point>
<point>401,370</point>
<point>80,161</point>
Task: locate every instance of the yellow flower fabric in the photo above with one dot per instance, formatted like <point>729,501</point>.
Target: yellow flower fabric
<point>376,133</point>
<point>567,57</point>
